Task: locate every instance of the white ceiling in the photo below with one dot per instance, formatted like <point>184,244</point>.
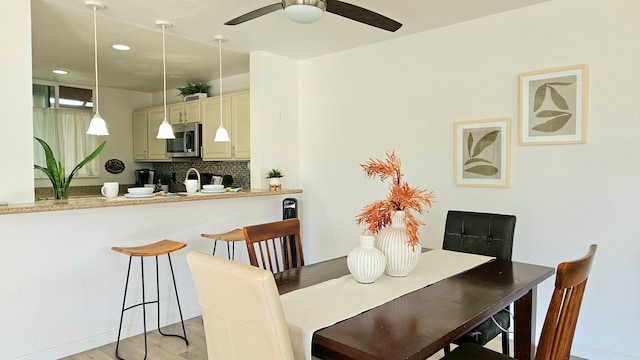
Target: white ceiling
<point>63,36</point>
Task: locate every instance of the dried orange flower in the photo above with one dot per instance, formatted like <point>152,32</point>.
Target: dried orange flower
<point>401,197</point>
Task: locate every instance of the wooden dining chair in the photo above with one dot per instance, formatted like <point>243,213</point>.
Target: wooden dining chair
<point>275,246</point>
<point>484,234</point>
<point>562,316</point>
<point>245,319</point>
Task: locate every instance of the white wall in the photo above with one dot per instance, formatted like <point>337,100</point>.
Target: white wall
<point>406,95</point>
<point>16,138</point>
<point>274,119</point>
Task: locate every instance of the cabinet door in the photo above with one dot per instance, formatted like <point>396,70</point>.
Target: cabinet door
<point>240,137</point>
<point>157,147</point>
<point>210,111</point>
<point>140,135</point>
<point>176,113</point>
<point>192,111</point>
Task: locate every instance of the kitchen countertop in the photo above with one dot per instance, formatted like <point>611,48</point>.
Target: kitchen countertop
<point>100,201</point>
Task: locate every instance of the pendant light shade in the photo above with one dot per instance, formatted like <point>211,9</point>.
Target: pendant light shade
<point>221,134</point>
<point>97,126</point>
<point>165,131</point>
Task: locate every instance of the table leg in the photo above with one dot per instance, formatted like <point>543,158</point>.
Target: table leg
<point>525,325</point>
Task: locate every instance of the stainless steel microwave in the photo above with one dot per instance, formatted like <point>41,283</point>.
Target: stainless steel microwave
<point>188,140</point>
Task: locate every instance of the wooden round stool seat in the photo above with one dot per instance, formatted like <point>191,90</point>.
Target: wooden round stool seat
<point>157,248</point>
<point>230,237</point>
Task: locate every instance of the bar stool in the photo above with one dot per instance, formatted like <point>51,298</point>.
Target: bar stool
<point>230,237</point>
<point>158,248</point>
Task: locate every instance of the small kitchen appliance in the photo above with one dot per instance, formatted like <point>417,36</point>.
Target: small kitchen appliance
<point>144,176</point>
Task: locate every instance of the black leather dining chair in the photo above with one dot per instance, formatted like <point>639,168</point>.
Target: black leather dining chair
<point>483,234</point>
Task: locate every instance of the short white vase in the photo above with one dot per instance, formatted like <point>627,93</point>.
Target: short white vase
<point>366,263</point>
<point>402,258</point>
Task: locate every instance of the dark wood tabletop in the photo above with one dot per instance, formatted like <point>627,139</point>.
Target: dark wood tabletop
<point>419,324</point>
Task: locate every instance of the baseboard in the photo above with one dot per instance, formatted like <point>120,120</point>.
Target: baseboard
<point>103,339</point>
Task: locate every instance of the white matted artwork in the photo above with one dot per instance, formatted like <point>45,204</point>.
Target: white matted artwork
<point>482,152</point>
<point>553,106</point>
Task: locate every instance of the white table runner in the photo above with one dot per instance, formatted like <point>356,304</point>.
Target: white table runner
<point>312,308</point>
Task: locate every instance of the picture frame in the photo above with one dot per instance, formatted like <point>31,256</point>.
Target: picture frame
<point>483,152</point>
<point>553,106</point>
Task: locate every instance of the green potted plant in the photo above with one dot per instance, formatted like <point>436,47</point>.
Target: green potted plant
<point>274,176</point>
<point>55,170</point>
<point>194,91</point>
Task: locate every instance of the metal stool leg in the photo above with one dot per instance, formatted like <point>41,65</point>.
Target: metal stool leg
<point>215,243</point>
<point>175,288</point>
<point>126,286</point>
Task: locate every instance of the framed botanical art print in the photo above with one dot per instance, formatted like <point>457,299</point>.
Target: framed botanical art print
<point>553,106</point>
<point>482,152</point>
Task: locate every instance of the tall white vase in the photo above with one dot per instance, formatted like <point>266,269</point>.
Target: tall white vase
<point>366,263</point>
<point>402,258</point>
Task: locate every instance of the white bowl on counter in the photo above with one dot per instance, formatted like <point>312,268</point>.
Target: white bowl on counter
<point>140,190</point>
<point>213,187</point>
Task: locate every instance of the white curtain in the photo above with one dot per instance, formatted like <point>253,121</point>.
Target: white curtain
<point>64,131</point>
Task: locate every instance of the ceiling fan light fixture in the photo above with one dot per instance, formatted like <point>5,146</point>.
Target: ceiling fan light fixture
<point>304,11</point>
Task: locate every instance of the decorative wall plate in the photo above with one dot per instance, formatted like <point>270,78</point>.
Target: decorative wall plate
<point>114,166</point>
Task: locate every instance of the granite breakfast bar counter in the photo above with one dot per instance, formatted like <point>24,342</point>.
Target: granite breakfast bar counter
<point>61,273</point>
<point>89,202</point>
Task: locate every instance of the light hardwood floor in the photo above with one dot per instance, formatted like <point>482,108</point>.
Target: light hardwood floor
<point>173,348</point>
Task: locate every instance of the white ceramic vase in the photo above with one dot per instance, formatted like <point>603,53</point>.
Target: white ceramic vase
<point>366,263</point>
<point>402,258</point>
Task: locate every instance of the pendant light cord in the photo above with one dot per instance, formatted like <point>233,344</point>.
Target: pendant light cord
<point>95,49</point>
<point>220,66</point>
<point>164,71</point>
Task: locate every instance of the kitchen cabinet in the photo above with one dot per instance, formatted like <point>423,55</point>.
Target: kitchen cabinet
<point>235,118</point>
<point>145,127</point>
<point>185,112</point>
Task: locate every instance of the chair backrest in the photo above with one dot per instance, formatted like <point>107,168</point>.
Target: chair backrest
<point>479,233</point>
<point>275,246</point>
<point>560,323</point>
<point>241,310</point>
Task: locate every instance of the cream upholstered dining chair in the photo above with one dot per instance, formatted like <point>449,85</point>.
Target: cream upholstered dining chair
<point>275,246</point>
<point>562,316</point>
<point>241,310</point>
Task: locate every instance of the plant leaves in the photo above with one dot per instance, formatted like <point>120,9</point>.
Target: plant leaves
<point>551,113</point>
<point>469,143</point>
<point>53,169</point>
<point>554,124</point>
<point>485,141</point>
<point>538,98</point>
<point>475,160</point>
<point>558,99</point>
<point>486,170</point>
<point>82,163</point>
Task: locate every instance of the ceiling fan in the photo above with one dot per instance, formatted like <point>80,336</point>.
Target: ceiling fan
<point>308,11</point>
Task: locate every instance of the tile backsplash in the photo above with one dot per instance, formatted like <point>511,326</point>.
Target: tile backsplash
<point>239,170</point>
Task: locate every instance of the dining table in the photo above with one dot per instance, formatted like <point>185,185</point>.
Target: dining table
<point>420,323</point>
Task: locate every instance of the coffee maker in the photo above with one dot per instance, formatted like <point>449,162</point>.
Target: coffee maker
<point>144,176</point>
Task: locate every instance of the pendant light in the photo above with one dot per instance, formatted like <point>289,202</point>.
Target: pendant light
<point>97,126</point>
<point>221,134</point>
<point>165,131</point>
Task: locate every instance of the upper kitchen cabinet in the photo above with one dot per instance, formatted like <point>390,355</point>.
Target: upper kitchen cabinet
<point>235,118</point>
<point>185,112</point>
<point>145,127</point>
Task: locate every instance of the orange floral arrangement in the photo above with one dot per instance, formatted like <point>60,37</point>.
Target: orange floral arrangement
<point>402,197</point>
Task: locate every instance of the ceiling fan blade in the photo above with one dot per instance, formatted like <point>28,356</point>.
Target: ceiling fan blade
<point>362,15</point>
<point>255,13</point>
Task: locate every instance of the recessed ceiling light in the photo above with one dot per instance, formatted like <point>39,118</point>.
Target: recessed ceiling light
<point>121,47</point>
<point>60,72</point>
